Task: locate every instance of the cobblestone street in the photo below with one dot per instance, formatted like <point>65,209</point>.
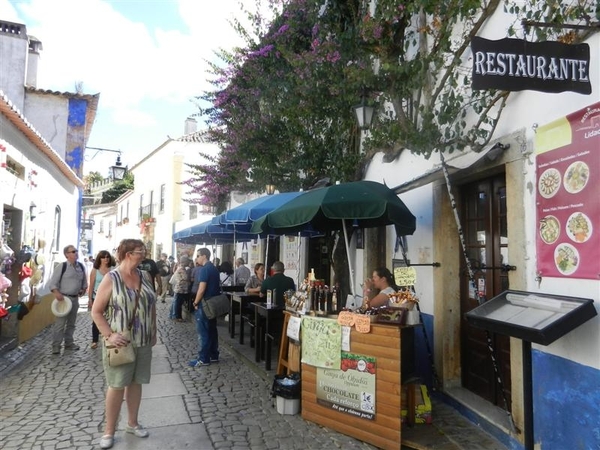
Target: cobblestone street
<point>57,401</point>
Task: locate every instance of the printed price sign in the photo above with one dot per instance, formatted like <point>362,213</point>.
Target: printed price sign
<point>293,328</point>
<point>405,276</point>
<point>362,323</point>
<point>346,318</point>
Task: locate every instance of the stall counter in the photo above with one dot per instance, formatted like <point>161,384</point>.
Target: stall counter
<point>383,428</point>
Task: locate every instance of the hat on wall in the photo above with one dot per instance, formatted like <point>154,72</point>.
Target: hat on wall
<point>61,309</point>
<point>39,259</point>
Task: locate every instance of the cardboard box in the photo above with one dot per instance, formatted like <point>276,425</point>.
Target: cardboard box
<point>422,404</point>
<point>288,406</point>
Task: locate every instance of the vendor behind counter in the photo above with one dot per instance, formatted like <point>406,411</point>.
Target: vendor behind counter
<point>377,289</point>
<point>278,283</point>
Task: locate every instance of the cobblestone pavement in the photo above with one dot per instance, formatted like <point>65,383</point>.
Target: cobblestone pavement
<point>57,401</point>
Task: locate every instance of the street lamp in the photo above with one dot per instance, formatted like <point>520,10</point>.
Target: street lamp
<point>364,112</point>
<point>117,172</point>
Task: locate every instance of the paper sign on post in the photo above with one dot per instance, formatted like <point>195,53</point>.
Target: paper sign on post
<point>405,276</point>
<point>293,328</point>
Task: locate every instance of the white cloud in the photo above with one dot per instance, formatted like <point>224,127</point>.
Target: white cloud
<point>89,41</point>
<point>146,75</point>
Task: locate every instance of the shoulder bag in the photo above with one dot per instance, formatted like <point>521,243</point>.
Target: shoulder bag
<point>216,306</point>
<point>118,356</point>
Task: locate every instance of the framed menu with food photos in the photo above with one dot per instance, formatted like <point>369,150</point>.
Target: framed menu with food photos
<point>568,205</point>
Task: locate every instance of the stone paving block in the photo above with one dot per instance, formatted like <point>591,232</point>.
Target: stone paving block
<point>164,385</point>
<point>160,365</point>
<point>158,412</point>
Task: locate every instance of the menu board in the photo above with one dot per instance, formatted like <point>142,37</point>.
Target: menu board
<point>321,342</point>
<point>568,204</point>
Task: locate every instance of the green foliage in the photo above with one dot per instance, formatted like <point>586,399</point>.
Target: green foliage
<point>281,106</point>
<point>93,177</point>
<point>118,188</point>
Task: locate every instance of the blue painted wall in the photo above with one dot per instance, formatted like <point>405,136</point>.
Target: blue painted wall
<point>566,403</point>
<point>424,368</point>
<point>76,134</point>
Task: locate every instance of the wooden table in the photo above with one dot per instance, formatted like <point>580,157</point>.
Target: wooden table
<point>266,330</point>
<point>238,302</point>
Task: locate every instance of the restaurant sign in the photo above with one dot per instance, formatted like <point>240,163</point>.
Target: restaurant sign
<point>517,65</point>
<point>567,200</point>
<point>350,390</point>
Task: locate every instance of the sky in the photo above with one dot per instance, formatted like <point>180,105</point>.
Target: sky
<point>146,58</point>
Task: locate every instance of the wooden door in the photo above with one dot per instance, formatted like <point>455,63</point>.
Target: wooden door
<point>483,216</point>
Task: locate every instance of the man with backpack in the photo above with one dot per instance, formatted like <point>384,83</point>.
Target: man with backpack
<point>68,280</point>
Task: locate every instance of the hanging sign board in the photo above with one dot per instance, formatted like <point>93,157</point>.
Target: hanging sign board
<point>568,206</point>
<point>518,65</point>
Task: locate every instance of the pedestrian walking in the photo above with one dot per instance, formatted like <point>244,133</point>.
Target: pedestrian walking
<point>149,265</point>
<point>164,272</point>
<point>130,300</point>
<point>208,282</point>
<point>103,263</point>
<point>181,288</point>
<point>69,280</point>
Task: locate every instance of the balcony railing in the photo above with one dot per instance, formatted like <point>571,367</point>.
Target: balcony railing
<point>147,212</point>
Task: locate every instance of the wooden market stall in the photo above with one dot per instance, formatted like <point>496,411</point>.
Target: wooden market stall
<point>340,398</point>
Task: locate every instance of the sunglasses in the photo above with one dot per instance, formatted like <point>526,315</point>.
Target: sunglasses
<point>104,257</point>
<point>73,251</point>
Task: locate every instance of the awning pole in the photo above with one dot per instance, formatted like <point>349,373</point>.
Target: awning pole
<point>267,258</point>
<point>348,256</point>
<point>298,262</point>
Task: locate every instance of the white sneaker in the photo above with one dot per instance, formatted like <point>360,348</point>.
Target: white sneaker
<point>107,441</point>
<point>138,431</point>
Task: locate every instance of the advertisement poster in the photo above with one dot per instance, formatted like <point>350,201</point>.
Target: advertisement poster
<point>321,342</point>
<point>350,390</point>
<point>568,204</point>
<point>291,252</point>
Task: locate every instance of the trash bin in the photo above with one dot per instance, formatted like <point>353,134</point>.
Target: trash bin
<point>287,390</point>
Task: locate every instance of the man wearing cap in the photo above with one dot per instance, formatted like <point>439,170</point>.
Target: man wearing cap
<point>241,273</point>
<point>278,283</point>
<point>68,280</point>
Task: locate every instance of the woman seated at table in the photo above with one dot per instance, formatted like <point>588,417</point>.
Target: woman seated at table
<point>255,281</point>
<point>376,290</point>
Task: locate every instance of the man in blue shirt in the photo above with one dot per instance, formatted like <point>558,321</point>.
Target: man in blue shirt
<point>206,277</point>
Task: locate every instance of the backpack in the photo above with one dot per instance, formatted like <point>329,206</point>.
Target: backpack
<point>64,269</point>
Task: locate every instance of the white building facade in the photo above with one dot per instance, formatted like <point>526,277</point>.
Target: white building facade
<point>498,201</point>
<point>42,141</point>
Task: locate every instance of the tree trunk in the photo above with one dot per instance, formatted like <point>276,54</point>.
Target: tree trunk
<point>339,262</point>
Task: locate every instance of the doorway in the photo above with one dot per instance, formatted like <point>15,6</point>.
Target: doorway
<point>318,259</point>
<point>484,222</point>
